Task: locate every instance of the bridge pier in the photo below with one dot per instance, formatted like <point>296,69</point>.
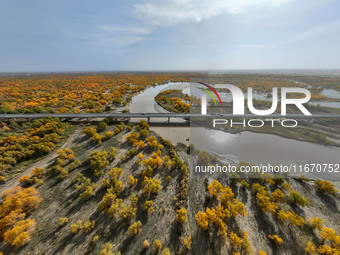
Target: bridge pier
<point>148,119</point>
<point>168,119</point>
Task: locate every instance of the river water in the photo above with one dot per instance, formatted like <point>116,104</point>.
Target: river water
<point>254,148</point>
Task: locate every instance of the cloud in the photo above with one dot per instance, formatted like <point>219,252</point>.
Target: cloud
<point>153,14</point>
<point>128,30</point>
<point>332,27</point>
<point>172,12</point>
<point>245,46</point>
<point>112,35</point>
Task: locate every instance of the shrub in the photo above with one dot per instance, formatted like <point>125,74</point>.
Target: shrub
<point>97,138</point>
<point>152,141</point>
<point>146,244</point>
<point>112,154</point>
<point>75,228</point>
<point>155,161</point>
<point>204,158</point>
<point>150,186</point>
<point>325,187</point>
<point>294,219</point>
<point>95,239</point>
<point>127,212</point>
<point>110,203</point>
<point>188,242</point>
<point>235,240</point>
<point>269,181</point>
<point>202,220</point>
<point>108,134</point>
<point>181,215</point>
<point>85,185</point>
<point>135,228</point>
<point>148,206</point>
<point>25,179</point>
<point>30,180</point>
<point>119,128</point>
<point>58,169</point>
<point>132,137</point>
<point>245,184</point>
<point>89,225</point>
<point>19,198</point>
<point>228,207</point>
<point>90,131</point>
<point>215,188</point>
<point>330,235</point>
<point>165,252</point>
<point>143,124</point>
<point>20,234</point>
<point>131,153</point>
<point>74,164</point>
<point>246,246</point>
<point>275,238</point>
<point>316,223</point>
<point>66,154</point>
<point>63,221</point>
<point>278,196</point>
<point>263,199</point>
<point>234,178</point>
<point>257,188</point>
<point>168,179</point>
<point>325,249</point>
<point>113,182</point>
<point>157,245</point>
<point>107,249</point>
<point>303,178</point>
<point>310,248</point>
<point>286,186</point>
<point>278,180</point>
<point>132,181</point>
<point>144,133</point>
<point>296,198</point>
<point>139,145</point>
<point>38,172</point>
<point>102,125</point>
<point>63,174</point>
<point>98,161</point>
<point>147,172</point>
<point>167,143</point>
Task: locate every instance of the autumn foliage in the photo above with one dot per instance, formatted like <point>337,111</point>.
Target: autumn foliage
<point>324,186</point>
<point>17,202</point>
<point>75,93</point>
<point>227,207</point>
<point>39,139</point>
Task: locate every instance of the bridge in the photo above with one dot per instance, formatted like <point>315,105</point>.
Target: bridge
<point>148,116</point>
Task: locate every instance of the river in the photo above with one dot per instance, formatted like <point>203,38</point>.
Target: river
<point>246,146</point>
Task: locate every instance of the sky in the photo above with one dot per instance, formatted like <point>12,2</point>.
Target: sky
<point>117,35</point>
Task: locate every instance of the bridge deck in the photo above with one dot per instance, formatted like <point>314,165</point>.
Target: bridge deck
<point>155,115</point>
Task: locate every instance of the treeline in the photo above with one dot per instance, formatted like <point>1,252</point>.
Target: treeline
<point>75,93</point>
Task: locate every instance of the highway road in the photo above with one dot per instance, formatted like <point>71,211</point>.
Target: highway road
<point>155,115</point>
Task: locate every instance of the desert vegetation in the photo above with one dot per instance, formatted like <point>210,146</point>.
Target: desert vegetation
<point>115,187</point>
